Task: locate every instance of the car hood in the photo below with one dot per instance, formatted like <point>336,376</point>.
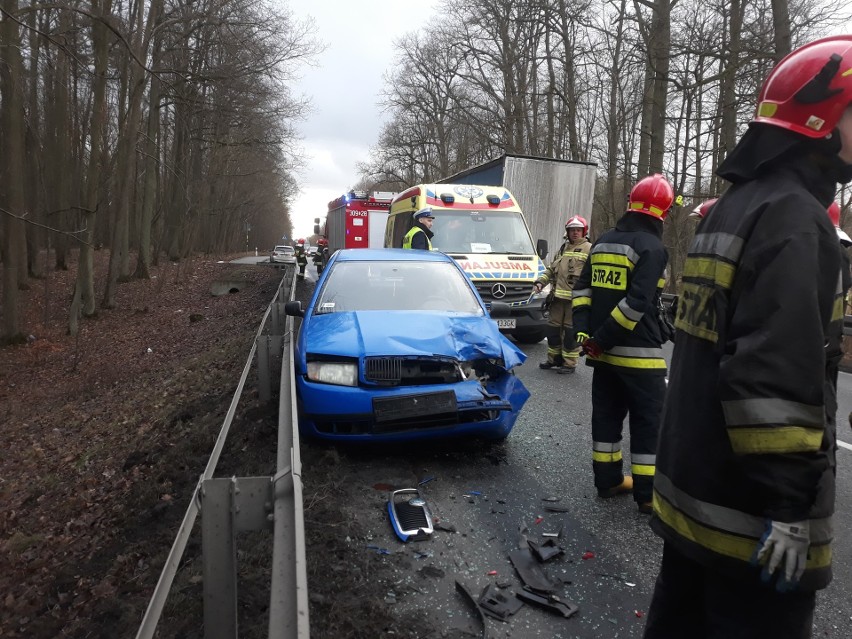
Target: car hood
<point>378,333</point>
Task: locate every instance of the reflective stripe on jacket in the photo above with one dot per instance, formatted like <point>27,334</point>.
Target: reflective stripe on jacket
<point>566,267</point>
<point>748,429</point>
<point>614,299</point>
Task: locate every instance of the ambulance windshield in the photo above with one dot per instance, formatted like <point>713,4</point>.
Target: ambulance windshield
<point>481,232</point>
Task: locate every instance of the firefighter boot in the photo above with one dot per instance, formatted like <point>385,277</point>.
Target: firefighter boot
<point>646,508</point>
<point>626,486</point>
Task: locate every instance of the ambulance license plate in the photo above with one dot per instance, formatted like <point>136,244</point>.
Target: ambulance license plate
<point>507,322</point>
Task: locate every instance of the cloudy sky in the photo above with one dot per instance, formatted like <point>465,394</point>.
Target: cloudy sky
<point>344,87</point>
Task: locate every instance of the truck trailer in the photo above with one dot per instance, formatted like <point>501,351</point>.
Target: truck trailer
<point>549,191</point>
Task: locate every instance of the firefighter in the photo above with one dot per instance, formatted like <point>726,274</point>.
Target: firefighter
<point>744,491</point>
<point>562,350</point>
<point>301,257</point>
<point>616,321</point>
<point>319,256</point>
<point>420,235</point>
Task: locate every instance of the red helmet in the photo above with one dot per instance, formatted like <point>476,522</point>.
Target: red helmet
<point>577,222</point>
<point>809,89</point>
<point>322,242</point>
<point>301,240</point>
<point>701,209</point>
<point>834,213</point>
<point>652,195</point>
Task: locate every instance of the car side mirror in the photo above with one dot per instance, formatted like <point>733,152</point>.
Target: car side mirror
<point>500,309</point>
<point>541,248</point>
<point>294,308</point>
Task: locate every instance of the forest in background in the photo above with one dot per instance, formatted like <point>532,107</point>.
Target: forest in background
<point>636,86</point>
<point>155,129</point>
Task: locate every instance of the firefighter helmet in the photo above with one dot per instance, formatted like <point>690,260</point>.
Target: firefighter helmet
<point>301,240</point>
<point>701,209</point>
<point>809,89</point>
<point>322,242</point>
<point>577,222</point>
<point>652,195</point>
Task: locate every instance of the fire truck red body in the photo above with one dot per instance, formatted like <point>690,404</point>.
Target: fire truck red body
<point>357,220</point>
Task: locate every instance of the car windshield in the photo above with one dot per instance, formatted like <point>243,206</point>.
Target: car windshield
<point>397,286</point>
<point>459,231</point>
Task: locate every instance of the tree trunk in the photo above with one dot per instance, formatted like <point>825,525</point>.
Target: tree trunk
<point>781,28</point>
<point>12,123</point>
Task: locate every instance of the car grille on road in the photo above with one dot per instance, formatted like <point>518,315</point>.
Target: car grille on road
<point>396,371</point>
<point>515,292</point>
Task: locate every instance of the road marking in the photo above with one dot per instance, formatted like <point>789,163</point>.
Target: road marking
<point>844,444</point>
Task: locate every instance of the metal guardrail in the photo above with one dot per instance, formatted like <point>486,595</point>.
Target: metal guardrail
<point>232,505</point>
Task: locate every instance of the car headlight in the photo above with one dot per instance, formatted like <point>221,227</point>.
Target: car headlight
<point>339,373</point>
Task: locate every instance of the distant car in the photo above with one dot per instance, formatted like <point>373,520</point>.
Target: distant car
<point>396,345</point>
<point>283,253</point>
<point>312,250</point>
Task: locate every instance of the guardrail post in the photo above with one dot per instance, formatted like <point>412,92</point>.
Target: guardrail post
<point>264,380</point>
<point>219,556</point>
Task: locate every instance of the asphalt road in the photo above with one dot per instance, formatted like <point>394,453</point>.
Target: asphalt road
<point>488,493</point>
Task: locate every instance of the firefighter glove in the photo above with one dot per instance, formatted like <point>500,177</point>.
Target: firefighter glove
<point>538,287</point>
<point>785,546</point>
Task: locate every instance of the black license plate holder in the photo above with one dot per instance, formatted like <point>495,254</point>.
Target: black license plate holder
<point>389,409</point>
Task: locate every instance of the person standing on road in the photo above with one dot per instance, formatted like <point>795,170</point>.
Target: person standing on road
<point>744,492</point>
<point>616,322</point>
<point>562,350</point>
<point>420,235</point>
<point>301,257</point>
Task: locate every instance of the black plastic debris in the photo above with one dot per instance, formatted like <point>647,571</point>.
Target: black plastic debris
<point>409,515</point>
<point>556,509</point>
<point>444,526</point>
<point>498,604</point>
<point>546,550</point>
<point>467,596</point>
<point>530,571</point>
<point>548,601</point>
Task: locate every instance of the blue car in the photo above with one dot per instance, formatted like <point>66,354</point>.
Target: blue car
<point>396,345</point>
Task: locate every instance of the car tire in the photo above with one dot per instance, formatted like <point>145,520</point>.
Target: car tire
<point>530,336</point>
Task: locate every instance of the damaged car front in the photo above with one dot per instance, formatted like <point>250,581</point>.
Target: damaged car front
<point>396,345</point>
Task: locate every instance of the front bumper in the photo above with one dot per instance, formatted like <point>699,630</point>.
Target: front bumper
<point>343,413</point>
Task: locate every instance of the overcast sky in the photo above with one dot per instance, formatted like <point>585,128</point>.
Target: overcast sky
<point>344,88</point>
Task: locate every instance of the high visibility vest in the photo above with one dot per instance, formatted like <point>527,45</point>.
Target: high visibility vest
<point>414,230</point>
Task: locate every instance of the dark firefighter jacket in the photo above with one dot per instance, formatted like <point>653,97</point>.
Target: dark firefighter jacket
<point>615,297</point>
<point>748,428</point>
<point>418,237</point>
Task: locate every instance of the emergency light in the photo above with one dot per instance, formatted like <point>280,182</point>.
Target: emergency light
<point>448,198</point>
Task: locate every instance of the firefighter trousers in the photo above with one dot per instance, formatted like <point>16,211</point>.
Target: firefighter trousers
<point>562,349</point>
<point>615,395</point>
<point>697,602</point>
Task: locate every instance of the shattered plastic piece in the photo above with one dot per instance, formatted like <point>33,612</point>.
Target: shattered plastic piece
<point>380,551</point>
<point>529,570</point>
<point>462,589</point>
<point>497,604</point>
<point>491,573</point>
<point>425,481</point>
<point>627,583</point>
<point>538,520</point>
<point>551,602</point>
<point>556,509</point>
<point>445,527</point>
<point>556,534</point>
<point>409,515</point>
<point>588,555</point>
<point>551,499</point>
<point>639,613</point>
<point>545,551</point>
<point>475,493</point>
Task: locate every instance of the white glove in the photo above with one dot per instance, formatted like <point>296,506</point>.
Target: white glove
<point>787,543</point>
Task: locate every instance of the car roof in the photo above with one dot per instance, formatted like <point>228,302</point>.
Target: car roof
<point>395,255</point>
<point>284,246</point>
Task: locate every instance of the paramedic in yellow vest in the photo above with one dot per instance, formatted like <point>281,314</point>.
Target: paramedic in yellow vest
<point>562,350</point>
<point>420,235</point>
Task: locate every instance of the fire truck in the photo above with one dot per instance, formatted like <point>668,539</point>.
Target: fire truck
<point>355,220</point>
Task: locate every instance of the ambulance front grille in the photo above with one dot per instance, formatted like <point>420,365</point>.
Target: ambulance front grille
<point>515,291</point>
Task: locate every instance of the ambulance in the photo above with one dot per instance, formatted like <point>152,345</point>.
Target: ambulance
<point>484,230</point>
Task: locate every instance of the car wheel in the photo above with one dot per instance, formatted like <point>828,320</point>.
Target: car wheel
<point>531,336</point>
